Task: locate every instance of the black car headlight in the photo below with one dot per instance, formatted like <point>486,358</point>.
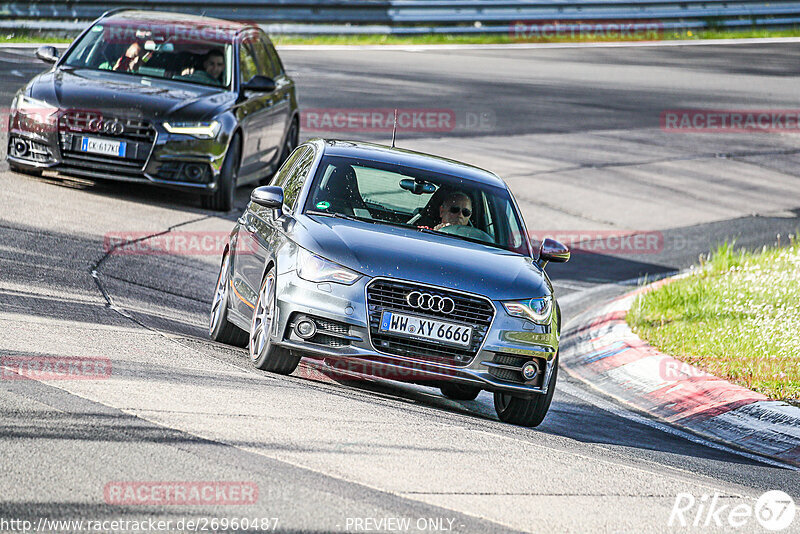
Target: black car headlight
<point>537,310</point>
<point>35,110</point>
<point>316,269</point>
<point>200,130</point>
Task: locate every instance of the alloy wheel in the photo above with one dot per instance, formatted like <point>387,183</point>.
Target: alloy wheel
<point>262,317</point>
<point>220,295</point>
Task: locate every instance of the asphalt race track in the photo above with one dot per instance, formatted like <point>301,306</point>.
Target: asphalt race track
<point>576,134</point>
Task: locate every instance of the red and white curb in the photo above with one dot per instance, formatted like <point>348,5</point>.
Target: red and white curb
<point>600,349</point>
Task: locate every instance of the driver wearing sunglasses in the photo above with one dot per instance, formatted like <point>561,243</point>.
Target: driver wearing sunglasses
<point>456,209</point>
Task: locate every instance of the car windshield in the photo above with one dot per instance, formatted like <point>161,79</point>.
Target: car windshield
<point>385,193</point>
<point>170,51</point>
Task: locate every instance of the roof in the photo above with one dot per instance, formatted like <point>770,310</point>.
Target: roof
<point>164,18</point>
<point>410,158</point>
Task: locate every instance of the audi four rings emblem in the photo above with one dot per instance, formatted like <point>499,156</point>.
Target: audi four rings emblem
<point>112,127</point>
<point>426,301</point>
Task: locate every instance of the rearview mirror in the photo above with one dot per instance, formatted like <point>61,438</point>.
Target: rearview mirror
<point>259,84</point>
<point>553,251</point>
<point>47,53</point>
<point>417,187</point>
<point>268,196</point>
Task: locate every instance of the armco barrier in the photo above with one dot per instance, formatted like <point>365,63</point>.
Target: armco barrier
<point>428,16</point>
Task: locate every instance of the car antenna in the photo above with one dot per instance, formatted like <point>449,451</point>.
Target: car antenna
<point>394,129</point>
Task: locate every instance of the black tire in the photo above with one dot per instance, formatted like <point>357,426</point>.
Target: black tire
<point>526,412</point>
<point>455,391</point>
<point>222,198</point>
<point>220,329</point>
<point>24,170</point>
<point>264,354</point>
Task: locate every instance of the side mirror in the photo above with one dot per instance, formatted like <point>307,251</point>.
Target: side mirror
<point>268,196</point>
<point>47,53</point>
<point>553,251</point>
<point>259,84</point>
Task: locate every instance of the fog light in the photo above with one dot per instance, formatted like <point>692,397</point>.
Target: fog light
<point>194,172</point>
<point>530,370</point>
<point>21,148</point>
<point>305,328</point>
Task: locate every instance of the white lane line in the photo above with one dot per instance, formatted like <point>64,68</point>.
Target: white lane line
<point>543,46</point>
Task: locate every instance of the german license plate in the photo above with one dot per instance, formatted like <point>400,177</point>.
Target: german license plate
<point>429,329</point>
<point>93,145</point>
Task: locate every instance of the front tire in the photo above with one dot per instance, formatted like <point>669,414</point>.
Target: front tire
<point>264,354</point>
<point>220,329</point>
<point>526,412</point>
<point>222,198</point>
<point>455,391</point>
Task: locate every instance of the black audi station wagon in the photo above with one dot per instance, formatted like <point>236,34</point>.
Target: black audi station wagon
<point>174,100</point>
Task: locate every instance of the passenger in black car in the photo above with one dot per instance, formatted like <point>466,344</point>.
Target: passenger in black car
<point>213,67</point>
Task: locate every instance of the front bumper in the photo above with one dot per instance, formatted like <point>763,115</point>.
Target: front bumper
<point>155,156</point>
<point>346,340</point>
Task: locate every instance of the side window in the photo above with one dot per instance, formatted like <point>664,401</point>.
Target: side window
<point>283,172</point>
<point>516,239</point>
<point>265,67</point>
<point>296,179</point>
<point>247,63</point>
<point>276,60</point>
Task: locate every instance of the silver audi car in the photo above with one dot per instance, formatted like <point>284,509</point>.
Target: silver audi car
<point>386,262</point>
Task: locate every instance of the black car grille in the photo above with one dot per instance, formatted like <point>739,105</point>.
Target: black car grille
<point>138,136</point>
<point>390,295</point>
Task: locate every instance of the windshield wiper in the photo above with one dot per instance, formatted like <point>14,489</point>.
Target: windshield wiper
<point>464,238</point>
<point>339,216</point>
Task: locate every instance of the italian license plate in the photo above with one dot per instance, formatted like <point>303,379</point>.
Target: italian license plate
<point>429,329</point>
<point>93,145</point>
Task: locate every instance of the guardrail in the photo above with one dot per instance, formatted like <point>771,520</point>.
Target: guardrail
<point>425,16</point>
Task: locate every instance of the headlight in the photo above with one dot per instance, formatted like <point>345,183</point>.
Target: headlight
<point>37,110</point>
<point>201,130</point>
<point>315,269</point>
<point>537,310</point>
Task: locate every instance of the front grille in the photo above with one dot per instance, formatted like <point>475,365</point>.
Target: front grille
<point>138,136</point>
<point>390,295</point>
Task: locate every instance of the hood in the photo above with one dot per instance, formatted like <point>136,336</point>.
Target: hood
<point>108,91</point>
<point>405,253</point>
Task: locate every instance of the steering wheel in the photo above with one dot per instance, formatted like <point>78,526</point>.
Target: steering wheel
<point>466,231</point>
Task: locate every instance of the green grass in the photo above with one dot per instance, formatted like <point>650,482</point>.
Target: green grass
<point>737,317</point>
<point>26,36</point>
